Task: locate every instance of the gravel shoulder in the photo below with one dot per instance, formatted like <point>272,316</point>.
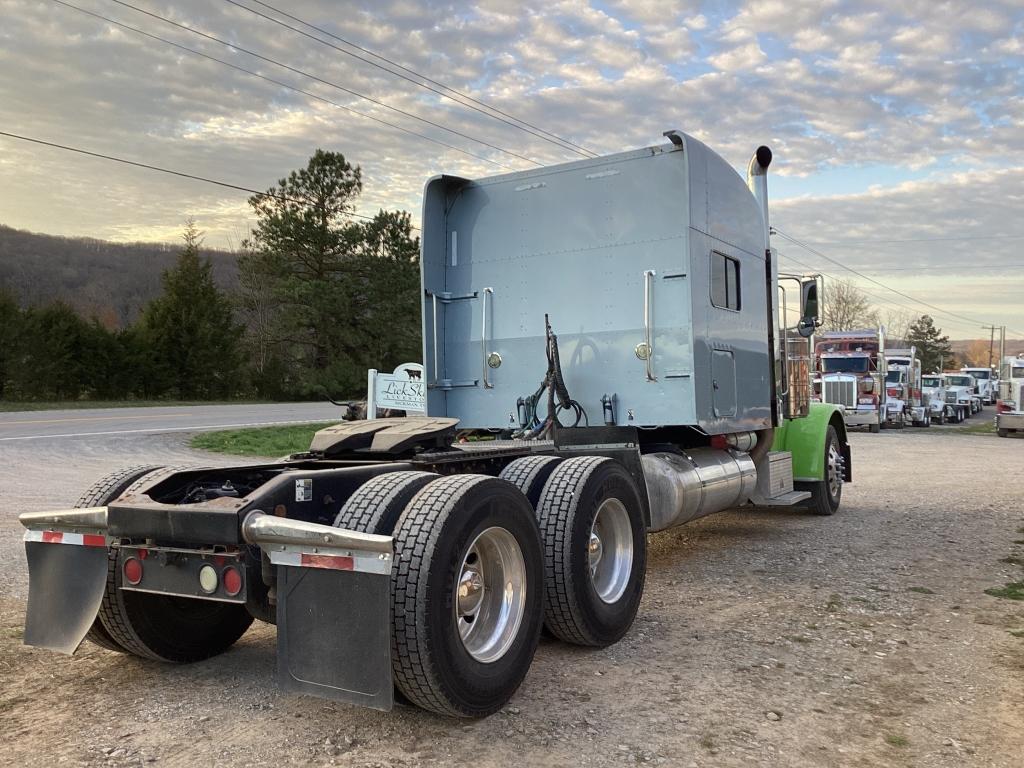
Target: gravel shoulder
<point>764,638</point>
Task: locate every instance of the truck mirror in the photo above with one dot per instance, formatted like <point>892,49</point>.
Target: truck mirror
<point>809,314</point>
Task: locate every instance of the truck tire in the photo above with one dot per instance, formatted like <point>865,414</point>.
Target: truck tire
<point>160,627</point>
<point>99,494</point>
<point>529,474</point>
<point>826,495</point>
<point>874,428</point>
<point>460,648</point>
<point>942,418</point>
<point>1002,432</point>
<point>595,550</point>
<point>377,504</point>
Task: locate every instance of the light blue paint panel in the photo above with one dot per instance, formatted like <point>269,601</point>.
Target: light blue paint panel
<point>574,241</point>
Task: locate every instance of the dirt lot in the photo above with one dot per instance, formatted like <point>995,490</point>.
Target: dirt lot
<point>765,638</point>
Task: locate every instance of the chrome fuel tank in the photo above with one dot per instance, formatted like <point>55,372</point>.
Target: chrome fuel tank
<point>697,482</point>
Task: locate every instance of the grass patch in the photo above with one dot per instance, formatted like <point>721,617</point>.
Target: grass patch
<point>1013,560</point>
<point>920,590</point>
<point>1014,590</point>
<point>896,740</point>
<point>986,427</point>
<point>7,406</point>
<point>707,741</point>
<point>259,441</point>
<point>1017,632</point>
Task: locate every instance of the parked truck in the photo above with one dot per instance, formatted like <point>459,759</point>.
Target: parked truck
<point>934,387</point>
<point>1010,403</point>
<point>393,557</point>
<point>960,392</point>
<point>850,374</point>
<point>985,384</point>
<point>906,400</point>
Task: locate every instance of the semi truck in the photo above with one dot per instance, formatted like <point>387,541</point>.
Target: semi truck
<point>933,386</point>
<point>850,374</point>
<point>1010,403</point>
<point>609,337</point>
<point>906,399</point>
<point>960,392</point>
<point>985,384</point>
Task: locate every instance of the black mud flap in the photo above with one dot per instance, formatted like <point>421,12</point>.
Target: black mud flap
<point>65,589</point>
<point>334,635</point>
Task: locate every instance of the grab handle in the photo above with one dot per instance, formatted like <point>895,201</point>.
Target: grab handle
<point>648,322</point>
<point>483,336</point>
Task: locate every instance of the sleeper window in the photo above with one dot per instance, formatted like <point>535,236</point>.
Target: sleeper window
<point>725,281</point>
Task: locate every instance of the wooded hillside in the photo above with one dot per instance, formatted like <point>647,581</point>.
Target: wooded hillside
<point>109,281</point>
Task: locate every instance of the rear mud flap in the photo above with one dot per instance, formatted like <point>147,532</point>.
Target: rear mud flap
<point>66,585</point>
<point>334,634</point>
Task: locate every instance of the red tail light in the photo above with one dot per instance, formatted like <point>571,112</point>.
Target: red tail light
<point>132,570</point>
<point>232,580</point>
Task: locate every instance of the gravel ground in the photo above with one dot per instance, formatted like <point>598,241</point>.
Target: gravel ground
<point>764,638</point>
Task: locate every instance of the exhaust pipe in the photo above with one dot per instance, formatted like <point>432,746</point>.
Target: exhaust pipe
<point>757,182</point>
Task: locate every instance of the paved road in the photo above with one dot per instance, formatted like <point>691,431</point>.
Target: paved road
<point>47,458</point>
<point>88,423</point>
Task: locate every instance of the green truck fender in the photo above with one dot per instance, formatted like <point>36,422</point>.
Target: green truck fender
<point>804,438</point>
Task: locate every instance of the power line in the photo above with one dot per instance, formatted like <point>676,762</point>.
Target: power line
<point>329,83</point>
<point>857,243</point>
<point>884,300</point>
<point>966,270</point>
<point>870,279</point>
<point>278,83</point>
<point>463,99</point>
<point>170,171</point>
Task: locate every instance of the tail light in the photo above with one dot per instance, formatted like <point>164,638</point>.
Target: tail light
<point>1005,406</point>
<point>892,392</point>
<point>132,570</point>
<point>232,580</point>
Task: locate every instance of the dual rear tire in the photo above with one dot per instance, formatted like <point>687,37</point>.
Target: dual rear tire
<point>479,566</point>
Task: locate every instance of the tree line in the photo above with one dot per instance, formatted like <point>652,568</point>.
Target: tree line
<point>320,299</point>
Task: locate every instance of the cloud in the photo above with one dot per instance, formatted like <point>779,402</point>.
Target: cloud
<point>833,85</point>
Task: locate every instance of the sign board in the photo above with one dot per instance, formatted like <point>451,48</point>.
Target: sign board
<point>402,390</point>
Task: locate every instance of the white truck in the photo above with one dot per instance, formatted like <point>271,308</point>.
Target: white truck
<point>941,411</point>
<point>1010,403</point>
<point>905,398</point>
<point>960,392</point>
<point>984,384</point>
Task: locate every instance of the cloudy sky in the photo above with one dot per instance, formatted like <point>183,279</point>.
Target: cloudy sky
<point>897,128</point>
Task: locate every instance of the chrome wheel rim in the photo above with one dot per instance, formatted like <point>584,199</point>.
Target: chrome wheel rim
<point>490,594</point>
<point>835,470</point>
<point>610,550</point>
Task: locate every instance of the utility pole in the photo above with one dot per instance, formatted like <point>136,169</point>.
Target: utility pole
<point>991,341</point>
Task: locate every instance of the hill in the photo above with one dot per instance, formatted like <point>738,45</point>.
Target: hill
<point>111,281</point>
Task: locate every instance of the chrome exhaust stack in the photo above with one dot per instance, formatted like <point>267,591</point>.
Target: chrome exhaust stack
<point>757,182</point>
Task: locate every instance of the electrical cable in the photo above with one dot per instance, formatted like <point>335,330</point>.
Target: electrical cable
<point>170,171</point>
<point>559,399</point>
<point>870,279</point>
<point>279,83</point>
<point>378,102</point>
<point>476,104</point>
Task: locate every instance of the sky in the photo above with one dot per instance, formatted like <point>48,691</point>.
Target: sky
<point>897,128</point>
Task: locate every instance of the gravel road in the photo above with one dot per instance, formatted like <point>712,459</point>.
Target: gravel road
<point>47,458</point>
<point>765,638</point>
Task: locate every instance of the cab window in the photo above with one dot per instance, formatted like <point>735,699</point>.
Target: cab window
<point>725,281</point>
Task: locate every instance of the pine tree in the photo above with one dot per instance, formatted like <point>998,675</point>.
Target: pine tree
<point>189,332</point>
<point>328,297</point>
<point>933,348</point>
